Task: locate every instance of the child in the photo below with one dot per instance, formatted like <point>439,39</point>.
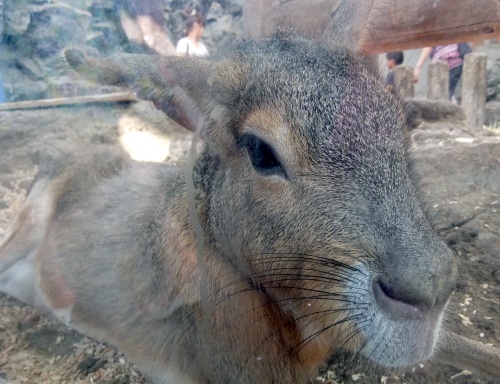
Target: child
<point>393,59</point>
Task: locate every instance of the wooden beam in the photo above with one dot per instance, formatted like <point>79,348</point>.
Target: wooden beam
<point>45,103</point>
<point>391,25</point>
<point>406,24</point>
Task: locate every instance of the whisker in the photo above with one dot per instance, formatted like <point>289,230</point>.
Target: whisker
<point>272,257</point>
<point>321,270</point>
<point>310,338</point>
<point>326,261</point>
<point>332,295</point>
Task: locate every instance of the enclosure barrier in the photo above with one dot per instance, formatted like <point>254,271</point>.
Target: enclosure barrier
<point>474,89</point>
<point>473,86</point>
<point>439,79</point>
<point>403,80</point>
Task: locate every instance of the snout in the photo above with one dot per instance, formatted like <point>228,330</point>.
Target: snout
<point>396,305</point>
<point>405,295</point>
<point>402,301</point>
<point>416,285</point>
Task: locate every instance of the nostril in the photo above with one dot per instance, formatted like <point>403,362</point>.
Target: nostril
<point>397,304</point>
<point>397,295</point>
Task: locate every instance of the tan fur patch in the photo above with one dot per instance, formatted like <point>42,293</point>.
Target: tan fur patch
<point>269,124</point>
<point>52,284</point>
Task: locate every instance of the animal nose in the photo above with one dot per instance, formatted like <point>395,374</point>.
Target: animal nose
<point>399,303</point>
<point>413,295</point>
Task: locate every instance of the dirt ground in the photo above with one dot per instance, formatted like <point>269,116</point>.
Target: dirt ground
<point>36,349</point>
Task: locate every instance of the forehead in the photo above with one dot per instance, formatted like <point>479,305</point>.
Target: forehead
<point>315,89</point>
<point>313,105</point>
<point>305,76</point>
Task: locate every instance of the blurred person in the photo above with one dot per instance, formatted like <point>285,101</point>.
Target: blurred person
<point>393,59</point>
<point>143,22</point>
<point>194,27</point>
<point>453,54</point>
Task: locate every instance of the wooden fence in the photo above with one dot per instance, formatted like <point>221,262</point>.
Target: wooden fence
<point>473,85</point>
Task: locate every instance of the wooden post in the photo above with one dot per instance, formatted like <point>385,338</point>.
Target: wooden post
<point>474,89</point>
<point>403,81</point>
<point>438,80</point>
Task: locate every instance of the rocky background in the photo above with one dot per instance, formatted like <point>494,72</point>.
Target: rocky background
<point>33,33</point>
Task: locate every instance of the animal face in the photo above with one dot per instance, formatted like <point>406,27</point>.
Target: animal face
<point>319,205</point>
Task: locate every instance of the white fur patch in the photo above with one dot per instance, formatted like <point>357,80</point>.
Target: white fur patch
<point>63,315</point>
<point>18,281</point>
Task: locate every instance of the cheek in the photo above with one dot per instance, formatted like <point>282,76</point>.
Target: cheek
<point>252,211</point>
<point>271,190</point>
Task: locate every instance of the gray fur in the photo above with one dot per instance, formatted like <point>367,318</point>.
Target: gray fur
<point>294,260</point>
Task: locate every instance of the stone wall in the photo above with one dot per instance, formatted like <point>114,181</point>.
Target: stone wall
<point>33,33</point>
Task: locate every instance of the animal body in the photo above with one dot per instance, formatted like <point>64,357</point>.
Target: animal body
<point>313,235</point>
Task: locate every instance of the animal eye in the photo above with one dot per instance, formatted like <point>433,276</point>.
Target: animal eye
<point>262,155</point>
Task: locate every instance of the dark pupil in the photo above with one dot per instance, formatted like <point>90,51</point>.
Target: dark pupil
<point>261,155</point>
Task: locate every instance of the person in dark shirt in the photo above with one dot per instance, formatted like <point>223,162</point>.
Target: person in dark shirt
<point>393,60</point>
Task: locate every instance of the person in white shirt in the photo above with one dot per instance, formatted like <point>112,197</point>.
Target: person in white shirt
<point>190,45</point>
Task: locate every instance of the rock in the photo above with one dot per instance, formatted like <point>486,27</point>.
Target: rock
<point>462,168</point>
<point>16,17</point>
<point>91,364</point>
<point>37,31</point>
<point>493,70</point>
<point>419,110</point>
<point>222,31</point>
<point>78,4</point>
<point>236,10</point>
<point>47,340</point>
<point>496,275</point>
<point>55,26</point>
<point>65,86</point>
<point>493,76</point>
<point>1,17</point>
<point>32,67</point>
<point>492,113</point>
<point>105,38</point>
<point>214,12</point>
<point>20,87</point>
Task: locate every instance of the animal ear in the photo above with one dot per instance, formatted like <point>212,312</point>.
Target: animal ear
<point>177,86</point>
<point>350,27</point>
<point>350,24</point>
